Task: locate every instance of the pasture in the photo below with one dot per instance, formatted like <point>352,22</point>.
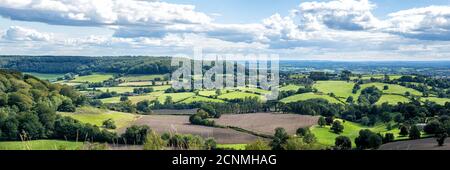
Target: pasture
<point>351,129</point>
<point>392,89</point>
<point>135,99</point>
<point>307,96</point>
<point>45,76</point>
<point>341,89</point>
<point>290,87</point>
<point>392,99</point>
<point>176,97</point>
<point>142,77</point>
<point>238,95</point>
<point>201,99</point>
<point>94,78</point>
<point>96,116</point>
<point>440,101</point>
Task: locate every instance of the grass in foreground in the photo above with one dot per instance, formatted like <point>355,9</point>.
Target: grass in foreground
<point>232,146</point>
<point>41,145</point>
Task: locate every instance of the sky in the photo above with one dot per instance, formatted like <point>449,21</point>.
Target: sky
<point>347,30</point>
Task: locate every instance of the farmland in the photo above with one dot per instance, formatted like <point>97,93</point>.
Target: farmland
<point>238,95</point>
<point>51,77</point>
<point>265,123</point>
<point>201,99</point>
<point>326,137</point>
<point>307,96</point>
<point>180,124</point>
<point>94,78</point>
<point>140,78</point>
<point>341,89</point>
<point>97,116</point>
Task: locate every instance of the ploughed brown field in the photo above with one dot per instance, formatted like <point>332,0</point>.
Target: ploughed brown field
<point>265,123</point>
<point>180,124</point>
<point>421,144</point>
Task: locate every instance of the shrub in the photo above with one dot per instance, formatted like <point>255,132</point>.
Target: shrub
<point>109,124</point>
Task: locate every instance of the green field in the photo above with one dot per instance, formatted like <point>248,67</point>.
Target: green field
<point>135,99</point>
<point>176,97</point>
<point>201,99</point>
<point>341,89</point>
<point>117,89</point>
<point>254,90</point>
<point>44,76</point>
<point>139,77</point>
<point>125,89</point>
<point>440,101</point>
<point>94,78</point>
<point>41,145</point>
<point>306,96</point>
<point>393,89</point>
<point>326,137</point>
<point>376,76</point>
<point>291,87</point>
<point>392,99</point>
<point>232,146</point>
<point>207,93</point>
<point>96,116</point>
<point>238,95</point>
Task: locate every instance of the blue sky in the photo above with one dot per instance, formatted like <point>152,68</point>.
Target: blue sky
<point>303,30</point>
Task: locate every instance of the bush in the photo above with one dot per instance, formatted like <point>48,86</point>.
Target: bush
<point>67,106</point>
<point>388,137</point>
<point>154,142</point>
<point>302,131</point>
<point>136,135</point>
<point>404,130</point>
<point>109,124</point>
<point>414,133</point>
<point>258,145</point>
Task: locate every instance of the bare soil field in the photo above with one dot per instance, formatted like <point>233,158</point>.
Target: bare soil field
<point>265,123</point>
<point>421,144</point>
<point>180,124</point>
<point>174,112</point>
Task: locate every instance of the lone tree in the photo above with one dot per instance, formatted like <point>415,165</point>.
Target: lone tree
<point>302,131</point>
<point>337,127</point>
<point>440,138</point>
<point>321,121</point>
<point>414,133</point>
<point>403,131</point>
<point>342,143</point>
<point>279,139</point>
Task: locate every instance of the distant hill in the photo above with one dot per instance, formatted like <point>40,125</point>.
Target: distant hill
<point>82,64</point>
